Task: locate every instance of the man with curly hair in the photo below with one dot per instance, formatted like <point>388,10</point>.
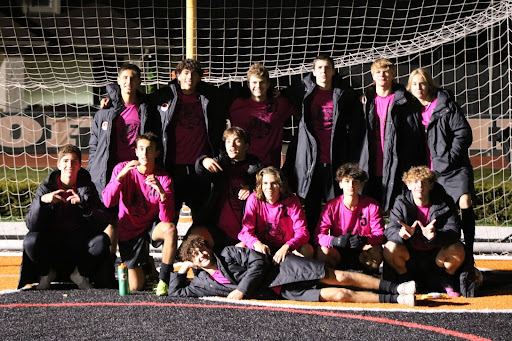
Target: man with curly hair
<point>424,234</point>
<point>238,272</point>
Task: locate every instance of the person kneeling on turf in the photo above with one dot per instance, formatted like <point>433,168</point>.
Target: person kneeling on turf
<point>65,223</point>
<point>350,232</point>
<point>424,234</point>
<point>239,272</point>
<point>144,193</point>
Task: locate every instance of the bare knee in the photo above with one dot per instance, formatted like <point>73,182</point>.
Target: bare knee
<point>465,201</point>
<point>337,295</point>
<point>307,250</point>
<point>451,257</point>
<point>329,256</point>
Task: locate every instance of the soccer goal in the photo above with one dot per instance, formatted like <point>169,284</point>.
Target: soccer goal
<point>57,56</point>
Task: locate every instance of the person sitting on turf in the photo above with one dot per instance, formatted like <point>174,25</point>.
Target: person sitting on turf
<point>144,193</point>
<point>350,232</point>
<point>424,233</point>
<point>274,222</point>
<point>65,223</point>
<point>238,272</point>
<point>232,174</point>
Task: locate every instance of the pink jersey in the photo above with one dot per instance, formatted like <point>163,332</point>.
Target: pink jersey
<point>381,108</point>
<point>274,225</point>
<point>322,122</point>
<point>231,208</point>
<point>264,122</point>
<point>125,131</point>
<point>139,204</point>
<point>336,220</point>
<point>218,277</point>
<point>187,131</point>
<point>426,114</point>
<point>418,242</point>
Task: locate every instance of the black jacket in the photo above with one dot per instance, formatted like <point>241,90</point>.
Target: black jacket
<point>249,271</point>
<point>251,165</point>
<point>347,129</point>
<point>442,209</point>
<point>40,216</point>
<point>101,132</point>
<point>404,141</point>
<point>449,137</point>
<point>215,107</point>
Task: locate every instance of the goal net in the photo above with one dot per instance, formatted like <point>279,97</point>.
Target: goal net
<point>56,56</point>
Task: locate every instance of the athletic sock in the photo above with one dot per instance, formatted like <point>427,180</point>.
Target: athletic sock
<point>387,286</point>
<point>165,272</point>
<point>468,227</point>
<point>406,277</point>
<point>388,298</point>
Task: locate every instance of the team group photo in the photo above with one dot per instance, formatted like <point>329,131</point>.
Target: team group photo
<point>310,161</point>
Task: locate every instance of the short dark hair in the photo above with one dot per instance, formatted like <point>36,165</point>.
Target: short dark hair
<point>69,149</point>
<point>190,245</point>
<point>152,138</point>
<point>239,132</point>
<point>132,67</point>
<point>323,57</point>
<point>190,64</point>
<point>351,170</point>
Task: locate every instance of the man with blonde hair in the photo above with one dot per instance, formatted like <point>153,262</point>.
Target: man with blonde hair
<point>424,234</point>
<point>392,141</point>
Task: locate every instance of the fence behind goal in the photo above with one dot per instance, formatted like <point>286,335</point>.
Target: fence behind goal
<point>56,58</point>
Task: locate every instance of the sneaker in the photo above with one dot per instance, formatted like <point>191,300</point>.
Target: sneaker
<point>408,299</point>
<point>80,280</point>
<point>46,281</point>
<point>162,289</point>
<point>407,288</point>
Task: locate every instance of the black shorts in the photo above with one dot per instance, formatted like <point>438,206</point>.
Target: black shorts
<point>422,261</point>
<point>306,291</point>
<point>349,259</point>
<point>135,252</point>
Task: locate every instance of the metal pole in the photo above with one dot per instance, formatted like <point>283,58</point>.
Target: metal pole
<point>191,41</point>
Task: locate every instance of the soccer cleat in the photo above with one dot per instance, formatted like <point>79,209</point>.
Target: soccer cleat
<point>80,280</point>
<point>407,288</point>
<point>162,289</point>
<point>46,281</point>
<point>408,299</point>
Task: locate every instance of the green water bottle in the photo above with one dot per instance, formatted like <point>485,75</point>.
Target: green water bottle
<point>122,277</point>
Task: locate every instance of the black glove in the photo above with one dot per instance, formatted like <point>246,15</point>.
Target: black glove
<point>357,242</point>
<point>342,241</point>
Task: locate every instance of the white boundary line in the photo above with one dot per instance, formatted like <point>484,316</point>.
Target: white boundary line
<point>309,307</point>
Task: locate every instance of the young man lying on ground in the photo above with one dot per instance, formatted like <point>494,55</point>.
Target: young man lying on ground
<point>238,272</point>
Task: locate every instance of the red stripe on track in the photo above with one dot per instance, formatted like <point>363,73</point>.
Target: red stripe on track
<point>288,310</point>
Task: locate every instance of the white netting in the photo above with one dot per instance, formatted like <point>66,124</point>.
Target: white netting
<point>53,66</point>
